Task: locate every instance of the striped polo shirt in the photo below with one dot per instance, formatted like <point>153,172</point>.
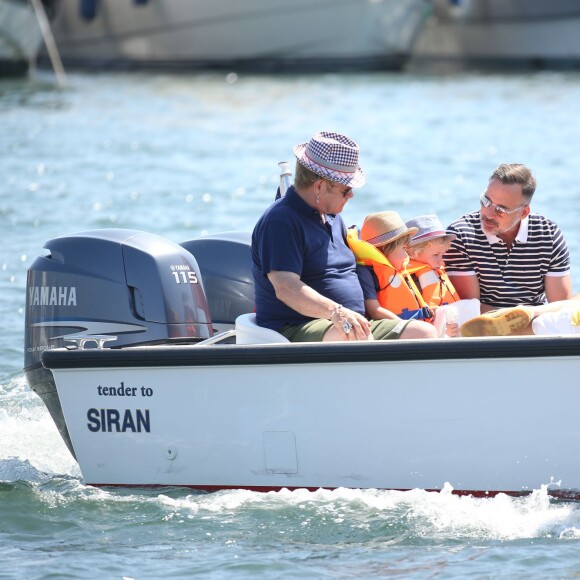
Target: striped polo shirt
<point>508,277</point>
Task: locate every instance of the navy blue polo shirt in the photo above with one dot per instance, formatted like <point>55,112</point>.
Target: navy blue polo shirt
<point>290,237</point>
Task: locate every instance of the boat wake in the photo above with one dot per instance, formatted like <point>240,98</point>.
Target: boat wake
<point>360,516</point>
<point>15,469</point>
<point>31,448</point>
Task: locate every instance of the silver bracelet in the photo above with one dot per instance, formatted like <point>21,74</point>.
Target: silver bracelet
<point>337,310</point>
<point>346,326</point>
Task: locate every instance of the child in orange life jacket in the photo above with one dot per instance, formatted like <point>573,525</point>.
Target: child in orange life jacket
<point>426,267</point>
<point>388,289</point>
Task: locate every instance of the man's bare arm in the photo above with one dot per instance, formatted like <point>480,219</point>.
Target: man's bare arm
<point>558,288</point>
<point>294,293</point>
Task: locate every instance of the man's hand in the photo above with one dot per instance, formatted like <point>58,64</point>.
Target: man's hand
<point>351,325</point>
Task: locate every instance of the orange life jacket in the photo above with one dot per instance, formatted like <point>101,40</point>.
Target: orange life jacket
<point>397,291</point>
<point>435,286</point>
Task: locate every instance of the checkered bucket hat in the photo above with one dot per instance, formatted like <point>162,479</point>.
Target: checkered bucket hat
<point>332,156</point>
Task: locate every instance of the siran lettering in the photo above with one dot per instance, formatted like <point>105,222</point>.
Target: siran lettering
<point>115,421</point>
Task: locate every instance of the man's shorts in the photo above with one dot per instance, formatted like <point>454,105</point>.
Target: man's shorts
<point>314,330</point>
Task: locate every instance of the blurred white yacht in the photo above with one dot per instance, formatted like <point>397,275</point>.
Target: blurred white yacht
<point>511,32</point>
<point>268,35</point>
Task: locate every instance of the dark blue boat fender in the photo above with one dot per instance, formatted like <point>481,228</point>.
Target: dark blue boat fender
<point>88,9</point>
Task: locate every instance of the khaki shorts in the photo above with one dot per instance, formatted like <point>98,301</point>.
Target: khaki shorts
<point>314,330</point>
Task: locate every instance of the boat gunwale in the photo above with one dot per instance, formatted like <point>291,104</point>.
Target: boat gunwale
<point>179,355</point>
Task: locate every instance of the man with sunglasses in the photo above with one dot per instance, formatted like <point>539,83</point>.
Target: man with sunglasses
<point>504,254</point>
<point>305,279</point>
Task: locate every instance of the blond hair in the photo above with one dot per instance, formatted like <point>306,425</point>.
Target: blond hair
<point>402,241</point>
<point>417,249</point>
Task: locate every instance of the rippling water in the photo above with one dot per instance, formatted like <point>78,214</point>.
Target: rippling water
<point>183,155</point>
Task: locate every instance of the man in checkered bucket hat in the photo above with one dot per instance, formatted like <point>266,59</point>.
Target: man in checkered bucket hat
<point>305,277</point>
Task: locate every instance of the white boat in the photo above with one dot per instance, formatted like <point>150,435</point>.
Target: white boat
<point>510,32</point>
<point>253,34</point>
<point>20,37</point>
<point>165,401</point>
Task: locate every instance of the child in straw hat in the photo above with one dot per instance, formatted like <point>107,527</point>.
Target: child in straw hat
<point>388,288</point>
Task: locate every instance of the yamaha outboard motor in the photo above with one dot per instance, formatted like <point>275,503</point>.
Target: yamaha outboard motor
<point>225,263</point>
<point>123,286</point>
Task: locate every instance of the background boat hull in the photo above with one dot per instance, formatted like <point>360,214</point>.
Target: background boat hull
<point>254,34</point>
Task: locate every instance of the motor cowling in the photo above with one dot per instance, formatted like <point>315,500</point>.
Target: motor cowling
<point>139,287</point>
<point>225,263</point>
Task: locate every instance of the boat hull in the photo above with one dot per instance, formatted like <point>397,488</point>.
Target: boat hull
<point>503,32</point>
<point>484,415</point>
<point>254,35</point>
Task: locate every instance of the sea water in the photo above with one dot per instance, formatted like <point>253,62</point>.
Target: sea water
<point>184,155</point>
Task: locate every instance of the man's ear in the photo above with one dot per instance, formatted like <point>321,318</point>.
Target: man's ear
<point>526,211</point>
<point>318,185</point>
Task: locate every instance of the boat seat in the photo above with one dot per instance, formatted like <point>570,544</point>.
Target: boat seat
<point>248,332</point>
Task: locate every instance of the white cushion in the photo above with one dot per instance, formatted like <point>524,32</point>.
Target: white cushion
<point>248,332</point>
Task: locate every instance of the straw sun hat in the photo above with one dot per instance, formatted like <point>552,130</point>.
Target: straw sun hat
<point>332,156</point>
<point>385,227</point>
